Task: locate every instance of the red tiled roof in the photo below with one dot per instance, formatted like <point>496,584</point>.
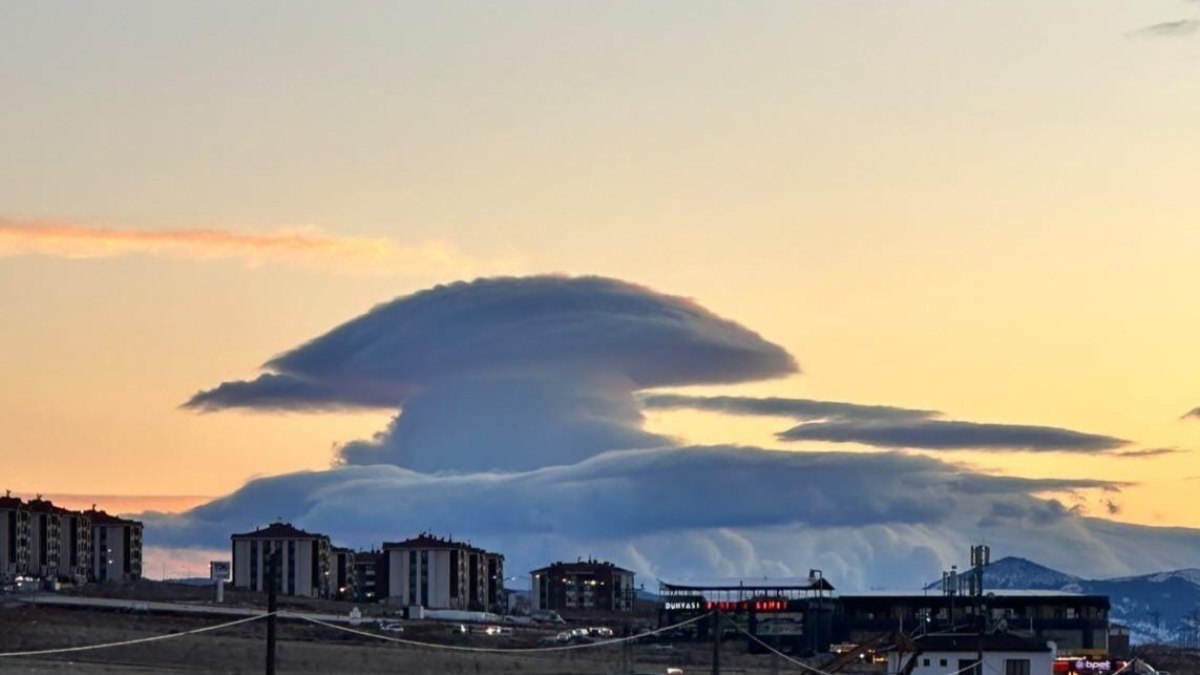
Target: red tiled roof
<point>581,567</point>
<point>429,541</point>
<point>99,517</point>
<point>45,506</point>
<point>279,531</point>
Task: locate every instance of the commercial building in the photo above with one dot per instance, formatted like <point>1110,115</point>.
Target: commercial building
<point>583,585</point>
<point>794,615</point>
<point>305,563</point>
<point>115,547</point>
<point>1077,624</point>
<point>440,573</point>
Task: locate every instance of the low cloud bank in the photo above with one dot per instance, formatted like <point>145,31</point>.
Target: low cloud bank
<point>727,511</point>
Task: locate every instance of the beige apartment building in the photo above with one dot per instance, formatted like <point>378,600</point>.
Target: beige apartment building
<point>115,547</point>
<point>440,573</point>
<point>305,560</point>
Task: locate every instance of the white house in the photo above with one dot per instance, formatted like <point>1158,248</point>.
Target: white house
<point>1003,654</point>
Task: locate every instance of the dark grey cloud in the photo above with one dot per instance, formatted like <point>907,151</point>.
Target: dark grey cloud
<point>890,426</point>
<point>796,408</point>
<point>275,392</point>
<point>1147,452</point>
<point>1167,29</point>
<point>506,325</point>
<point>510,373</point>
<point>954,435</point>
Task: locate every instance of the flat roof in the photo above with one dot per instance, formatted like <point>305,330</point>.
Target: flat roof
<point>808,584</point>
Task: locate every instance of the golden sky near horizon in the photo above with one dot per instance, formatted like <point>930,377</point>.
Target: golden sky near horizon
<point>987,209</point>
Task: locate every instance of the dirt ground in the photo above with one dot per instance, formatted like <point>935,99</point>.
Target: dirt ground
<point>305,648</point>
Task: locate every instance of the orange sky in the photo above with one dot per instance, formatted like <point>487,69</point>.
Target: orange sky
<point>984,210</point>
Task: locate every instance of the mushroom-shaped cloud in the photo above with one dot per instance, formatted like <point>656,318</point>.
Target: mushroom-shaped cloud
<point>509,373</point>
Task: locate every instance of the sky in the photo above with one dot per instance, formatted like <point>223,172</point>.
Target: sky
<point>981,209</point>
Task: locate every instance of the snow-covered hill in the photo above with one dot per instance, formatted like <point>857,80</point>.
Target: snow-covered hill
<point>1160,607</point>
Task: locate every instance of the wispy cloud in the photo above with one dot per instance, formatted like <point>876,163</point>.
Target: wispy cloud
<point>1178,28</point>
<point>1147,452</point>
<point>306,247</point>
<point>893,427</point>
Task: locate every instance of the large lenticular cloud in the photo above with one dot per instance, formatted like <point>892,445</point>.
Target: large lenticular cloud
<point>508,374</point>
<point>519,428</point>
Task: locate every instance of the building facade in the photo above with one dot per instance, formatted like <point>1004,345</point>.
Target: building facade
<point>75,546</point>
<point>583,585</point>
<point>344,583</point>
<point>440,573</point>
<point>1077,624</point>
<point>44,524</point>
<point>305,563</point>
<point>370,576</point>
<point>14,538</point>
<point>115,547</point>
<point>1003,654</point>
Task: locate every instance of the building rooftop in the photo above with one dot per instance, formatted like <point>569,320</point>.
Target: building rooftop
<point>967,642</point>
<point>430,541</point>
<point>816,583</point>
<point>580,567</point>
<point>278,531</point>
<point>100,517</point>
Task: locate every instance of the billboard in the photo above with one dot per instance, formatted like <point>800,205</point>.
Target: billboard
<point>218,570</point>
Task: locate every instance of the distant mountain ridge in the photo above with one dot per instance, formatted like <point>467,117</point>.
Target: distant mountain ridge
<point>1158,607</point>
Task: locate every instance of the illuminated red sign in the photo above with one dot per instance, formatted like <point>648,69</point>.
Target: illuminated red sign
<point>1086,666</point>
<point>757,606</point>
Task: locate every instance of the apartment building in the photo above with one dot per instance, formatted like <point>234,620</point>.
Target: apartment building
<point>305,566</point>
<point>44,524</point>
<point>370,575</point>
<point>115,547</point>
<point>583,585</point>
<point>75,546</point>
<point>440,573</point>
<point>14,538</point>
<point>344,585</point>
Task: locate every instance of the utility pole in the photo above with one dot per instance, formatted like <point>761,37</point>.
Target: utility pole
<point>716,631</point>
<point>272,584</point>
<point>981,556</point>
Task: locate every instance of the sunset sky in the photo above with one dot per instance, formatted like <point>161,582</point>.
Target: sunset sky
<point>984,209</point>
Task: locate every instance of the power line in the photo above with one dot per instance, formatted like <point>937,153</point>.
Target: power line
<point>500,650</point>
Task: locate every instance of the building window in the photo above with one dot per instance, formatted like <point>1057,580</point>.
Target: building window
<point>943,662</point>
<point>254,565</point>
<point>291,571</point>
<point>1016,667</point>
<point>925,663</point>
